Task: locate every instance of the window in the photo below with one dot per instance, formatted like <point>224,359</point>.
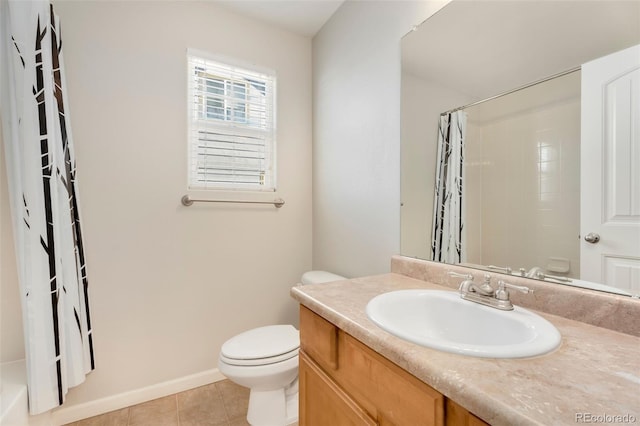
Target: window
<point>231,126</point>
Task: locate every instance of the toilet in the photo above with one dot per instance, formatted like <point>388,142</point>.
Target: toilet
<point>265,360</point>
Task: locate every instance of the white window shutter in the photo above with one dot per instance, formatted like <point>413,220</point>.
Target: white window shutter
<point>231,126</point>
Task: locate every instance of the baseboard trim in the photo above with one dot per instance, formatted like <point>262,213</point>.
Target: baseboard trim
<point>65,415</point>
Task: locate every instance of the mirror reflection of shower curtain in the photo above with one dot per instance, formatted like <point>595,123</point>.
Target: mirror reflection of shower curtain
<point>41,173</point>
<point>448,207</point>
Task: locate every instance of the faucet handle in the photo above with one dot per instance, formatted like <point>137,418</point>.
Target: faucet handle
<point>503,294</point>
<point>506,269</point>
<point>485,288</point>
<point>458,275</point>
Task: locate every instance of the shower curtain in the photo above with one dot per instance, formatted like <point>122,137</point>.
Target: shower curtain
<point>448,207</point>
<point>41,175</point>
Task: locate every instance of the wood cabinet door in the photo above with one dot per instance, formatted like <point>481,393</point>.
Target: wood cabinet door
<point>392,396</point>
<point>319,339</point>
<point>456,415</point>
<point>324,403</point>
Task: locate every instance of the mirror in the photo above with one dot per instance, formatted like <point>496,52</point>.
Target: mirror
<point>522,141</point>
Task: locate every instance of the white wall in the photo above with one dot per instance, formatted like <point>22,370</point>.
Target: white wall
<point>474,164</point>
<point>356,118</point>
<point>169,284</point>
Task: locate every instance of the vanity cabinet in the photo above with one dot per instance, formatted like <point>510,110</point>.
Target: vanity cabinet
<point>323,402</point>
<point>456,415</point>
<point>344,382</point>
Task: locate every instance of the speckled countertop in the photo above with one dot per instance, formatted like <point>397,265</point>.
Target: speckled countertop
<point>594,372</point>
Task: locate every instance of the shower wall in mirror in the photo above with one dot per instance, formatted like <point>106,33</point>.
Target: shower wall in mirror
<point>521,174</point>
<point>522,169</point>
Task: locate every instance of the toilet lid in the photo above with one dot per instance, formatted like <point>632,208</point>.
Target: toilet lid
<point>319,277</point>
<point>262,342</point>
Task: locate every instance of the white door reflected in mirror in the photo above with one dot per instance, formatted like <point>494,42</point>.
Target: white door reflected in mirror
<point>610,172</point>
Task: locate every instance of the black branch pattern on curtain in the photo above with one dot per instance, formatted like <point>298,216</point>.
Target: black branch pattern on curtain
<point>25,215</point>
<point>46,217</point>
<point>49,244</point>
<point>19,53</point>
<point>444,193</point>
<point>69,181</point>
<point>459,183</point>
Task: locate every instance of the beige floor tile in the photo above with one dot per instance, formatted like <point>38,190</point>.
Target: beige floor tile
<point>158,412</point>
<point>160,419</point>
<point>218,404</point>
<point>201,406</point>
<point>113,418</point>
<point>203,395</point>
<point>239,422</point>
<point>235,398</point>
<point>201,418</point>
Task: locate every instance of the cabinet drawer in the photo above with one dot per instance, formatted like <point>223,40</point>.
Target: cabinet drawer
<point>323,403</point>
<point>319,338</point>
<point>391,395</point>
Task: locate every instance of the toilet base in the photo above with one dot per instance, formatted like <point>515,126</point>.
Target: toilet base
<point>272,408</point>
<point>292,409</point>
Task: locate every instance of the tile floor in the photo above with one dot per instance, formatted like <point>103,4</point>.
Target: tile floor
<point>219,404</point>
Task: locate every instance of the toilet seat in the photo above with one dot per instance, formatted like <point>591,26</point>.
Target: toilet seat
<point>259,361</point>
<point>266,360</point>
<point>262,346</point>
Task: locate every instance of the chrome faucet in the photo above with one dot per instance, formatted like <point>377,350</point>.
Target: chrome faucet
<point>484,289</point>
<point>535,272</point>
<point>485,294</point>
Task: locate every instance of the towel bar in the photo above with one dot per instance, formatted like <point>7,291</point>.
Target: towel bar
<point>187,201</point>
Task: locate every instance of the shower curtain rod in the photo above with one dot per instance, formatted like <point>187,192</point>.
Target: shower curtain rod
<point>560,74</point>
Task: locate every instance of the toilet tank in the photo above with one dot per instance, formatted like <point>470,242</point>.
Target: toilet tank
<point>319,277</point>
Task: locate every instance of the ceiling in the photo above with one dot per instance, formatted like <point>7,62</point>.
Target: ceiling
<point>304,17</point>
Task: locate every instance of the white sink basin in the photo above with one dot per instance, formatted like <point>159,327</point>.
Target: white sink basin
<point>442,320</point>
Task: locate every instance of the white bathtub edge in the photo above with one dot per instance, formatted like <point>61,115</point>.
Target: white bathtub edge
<point>13,399</point>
